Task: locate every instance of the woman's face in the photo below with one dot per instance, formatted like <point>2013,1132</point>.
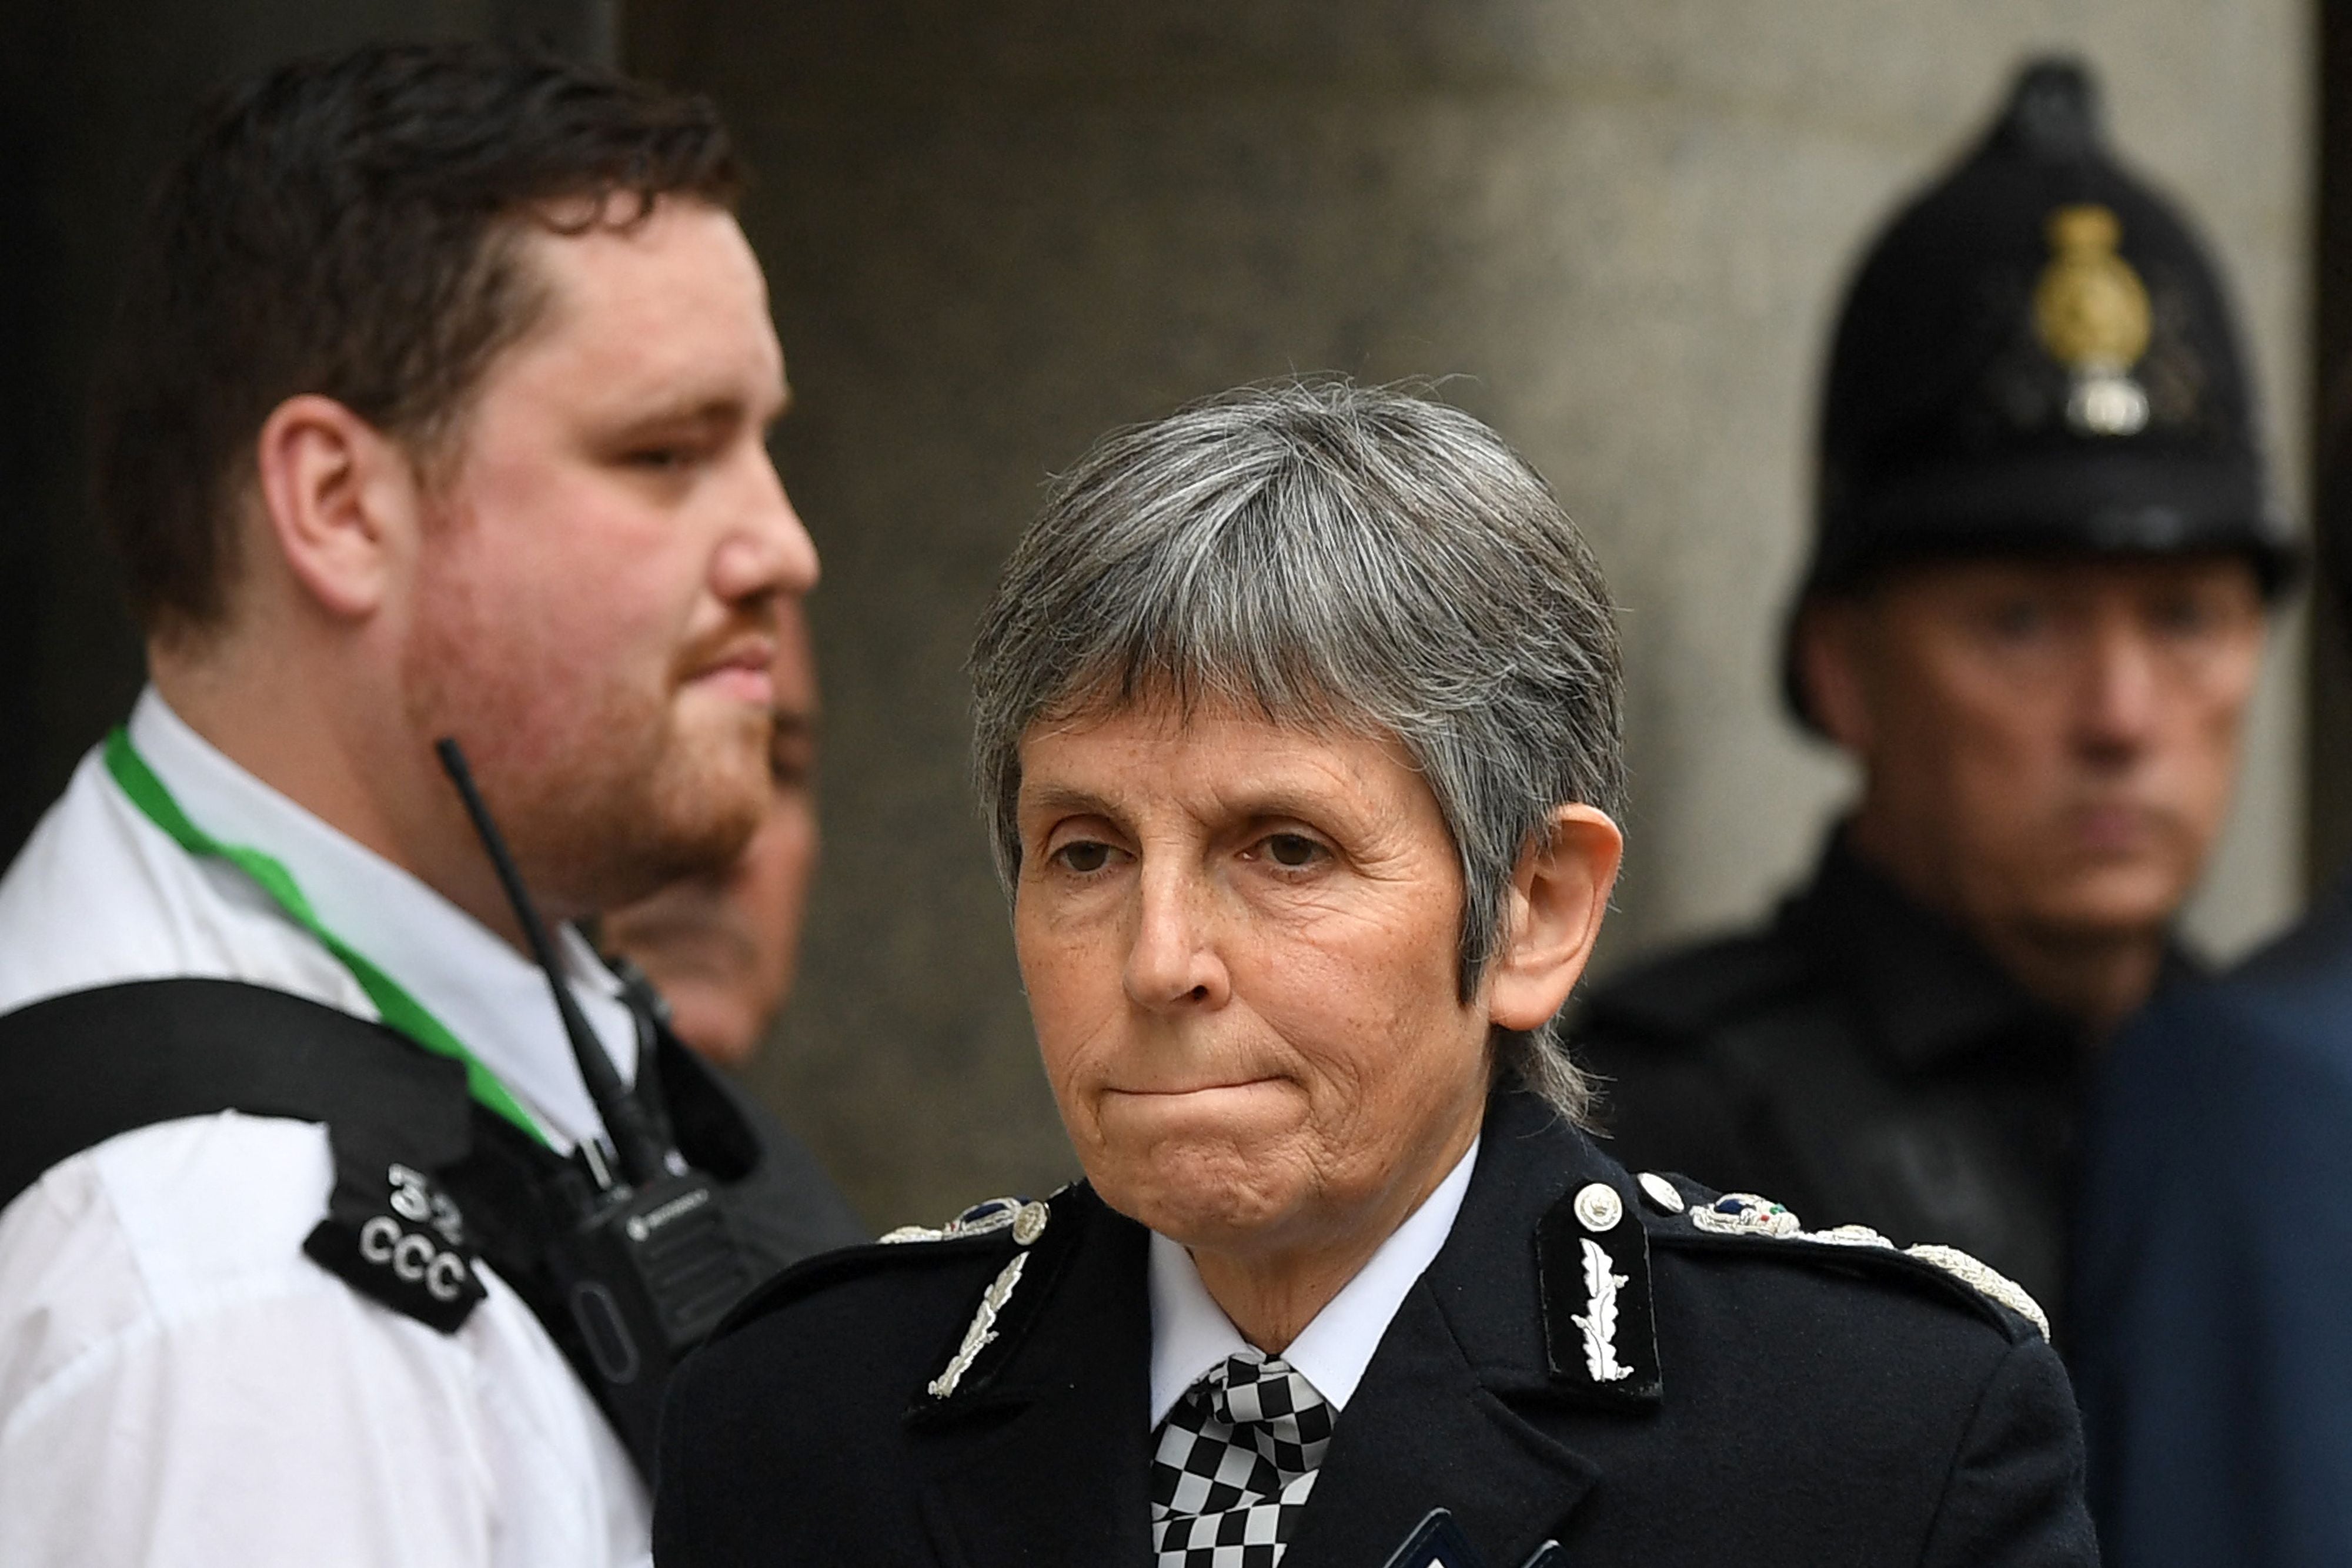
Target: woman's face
<point>1240,943</point>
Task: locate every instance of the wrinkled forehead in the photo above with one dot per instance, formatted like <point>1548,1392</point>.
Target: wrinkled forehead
<point>1171,699</point>
<point>1207,746</point>
<point>1217,763</point>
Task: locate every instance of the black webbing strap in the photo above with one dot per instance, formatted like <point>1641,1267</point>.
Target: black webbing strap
<point>79,1069</point>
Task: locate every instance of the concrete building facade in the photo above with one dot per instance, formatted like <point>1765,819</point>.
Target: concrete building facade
<point>1616,230</point>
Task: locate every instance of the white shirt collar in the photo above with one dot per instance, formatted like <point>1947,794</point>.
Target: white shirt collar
<point>1190,1333</point>
<point>491,996</point>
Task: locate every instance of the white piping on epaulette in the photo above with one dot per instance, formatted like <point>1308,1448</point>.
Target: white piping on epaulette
<point>1987,1280</point>
<point>1761,1217</point>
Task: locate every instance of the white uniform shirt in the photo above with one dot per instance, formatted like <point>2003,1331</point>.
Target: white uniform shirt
<point>1191,1335</point>
<point>179,1384</point>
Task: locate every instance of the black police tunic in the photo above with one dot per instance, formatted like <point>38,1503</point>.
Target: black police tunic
<point>1861,1059</point>
<point>1622,1365</point>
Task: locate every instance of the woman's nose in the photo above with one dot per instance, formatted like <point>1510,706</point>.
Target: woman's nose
<point>1173,962</point>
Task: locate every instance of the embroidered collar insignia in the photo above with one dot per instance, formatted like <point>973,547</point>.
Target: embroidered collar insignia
<point>995,1324</point>
<point>1600,1329</point>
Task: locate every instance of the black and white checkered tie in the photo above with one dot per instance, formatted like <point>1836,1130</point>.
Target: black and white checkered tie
<point>1237,1456</point>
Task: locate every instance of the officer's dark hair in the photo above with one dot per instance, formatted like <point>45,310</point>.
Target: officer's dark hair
<point>349,227</point>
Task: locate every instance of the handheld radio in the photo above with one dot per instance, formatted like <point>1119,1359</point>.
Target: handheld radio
<point>649,1263</point>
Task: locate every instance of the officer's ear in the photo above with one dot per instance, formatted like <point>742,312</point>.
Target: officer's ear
<point>1829,669</point>
<point>1559,892</point>
<point>341,500</point>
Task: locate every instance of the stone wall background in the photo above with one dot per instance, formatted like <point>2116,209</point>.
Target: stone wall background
<point>1620,227</point>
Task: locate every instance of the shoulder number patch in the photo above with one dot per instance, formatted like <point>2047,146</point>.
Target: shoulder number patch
<point>392,1235</point>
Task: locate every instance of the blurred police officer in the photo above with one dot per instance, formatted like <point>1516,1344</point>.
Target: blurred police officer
<point>441,408</point>
<point>2033,616</point>
<point>718,948</point>
<point>722,946</point>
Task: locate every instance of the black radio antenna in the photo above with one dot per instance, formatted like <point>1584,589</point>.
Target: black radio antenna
<point>642,1151</point>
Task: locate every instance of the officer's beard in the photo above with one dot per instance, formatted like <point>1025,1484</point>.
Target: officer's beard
<point>606,795</point>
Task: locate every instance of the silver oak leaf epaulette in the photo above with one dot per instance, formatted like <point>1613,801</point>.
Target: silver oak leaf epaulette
<point>981,1331</point>
<point>1600,1330</point>
<point>1746,1214</point>
<point>1027,1223</point>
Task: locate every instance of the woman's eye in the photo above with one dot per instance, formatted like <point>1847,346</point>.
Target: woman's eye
<point>1083,857</point>
<point>1294,851</point>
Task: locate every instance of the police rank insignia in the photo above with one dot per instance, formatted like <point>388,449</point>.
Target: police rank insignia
<point>1600,1337</point>
<point>981,1331</point>
<point>1026,1222</point>
<point>1027,1219</point>
<point>2091,313</point>
<point>391,1234</point>
<point>1746,1214</point>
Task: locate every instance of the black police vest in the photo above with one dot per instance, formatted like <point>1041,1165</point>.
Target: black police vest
<point>427,1179</point>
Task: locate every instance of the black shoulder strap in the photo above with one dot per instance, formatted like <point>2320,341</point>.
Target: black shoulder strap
<point>79,1069</point>
<point>425,1179</point>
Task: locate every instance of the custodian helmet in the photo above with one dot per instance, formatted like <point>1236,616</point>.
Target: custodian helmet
<point>2036,357</point>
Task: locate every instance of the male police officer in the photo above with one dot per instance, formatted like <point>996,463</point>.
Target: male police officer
<point>2034,615</point>
<point>442,411</point>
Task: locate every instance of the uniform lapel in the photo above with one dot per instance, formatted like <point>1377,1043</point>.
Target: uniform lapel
<point>1424,1431</point>
<point>1049,1461</point>
<point>1436,1421</point>
<point>1045,1457</point>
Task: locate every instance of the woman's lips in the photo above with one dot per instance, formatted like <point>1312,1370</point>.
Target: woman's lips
<point>1181,1092</point>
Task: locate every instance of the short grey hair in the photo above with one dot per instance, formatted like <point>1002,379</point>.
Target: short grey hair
<point>1327,555</point>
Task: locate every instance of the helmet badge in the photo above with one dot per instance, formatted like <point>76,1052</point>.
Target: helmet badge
<point>2091,312</point>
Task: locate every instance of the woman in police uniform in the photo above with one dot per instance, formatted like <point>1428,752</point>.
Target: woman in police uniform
<point>1298,723</point>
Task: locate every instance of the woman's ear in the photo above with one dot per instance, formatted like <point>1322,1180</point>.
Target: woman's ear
<point>1558,894</point>
<point>340,498</point>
